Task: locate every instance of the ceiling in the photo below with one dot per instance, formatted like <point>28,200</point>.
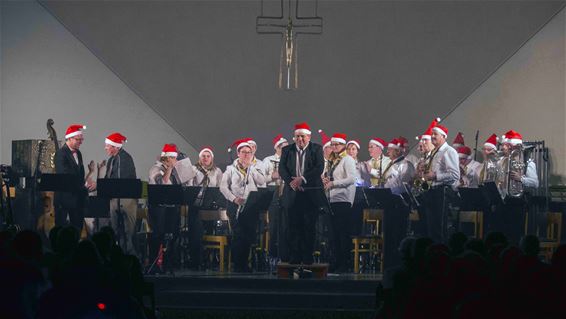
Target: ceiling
<point>381,68</point>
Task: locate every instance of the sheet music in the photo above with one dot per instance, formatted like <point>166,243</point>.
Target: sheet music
<point>185,170</point>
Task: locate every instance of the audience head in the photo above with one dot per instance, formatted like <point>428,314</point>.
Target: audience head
<point>530,245</point>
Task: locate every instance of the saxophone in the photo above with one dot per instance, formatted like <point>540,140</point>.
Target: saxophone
<point>420,185</point>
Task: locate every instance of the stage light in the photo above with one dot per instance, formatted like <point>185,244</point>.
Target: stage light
<point>101,306</point>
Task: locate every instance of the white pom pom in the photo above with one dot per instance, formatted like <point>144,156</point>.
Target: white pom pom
<point>438,119</point>
<point>320,130</point>
<point>417,138</point>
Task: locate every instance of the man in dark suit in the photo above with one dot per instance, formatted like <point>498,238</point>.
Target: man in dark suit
<point>301,167</point>
<point>69,160</point>
<point>121,165</point>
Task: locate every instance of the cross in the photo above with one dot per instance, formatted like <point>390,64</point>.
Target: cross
<point>289,24</point>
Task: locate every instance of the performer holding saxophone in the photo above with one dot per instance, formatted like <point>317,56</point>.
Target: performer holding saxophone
<point>374,166</point>
<point>239,179</point>
<point>444,174</point>
<point>517,175</point>
<point>489,169</point>
<point>277,215</point>
<point>469,169</point>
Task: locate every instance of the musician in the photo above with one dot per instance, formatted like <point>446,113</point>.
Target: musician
<point>489,169</point>
<point>458,141</point>
<point>512,214</point>
<point>206,175</point>
<point>69,160</point>
<point>469,169</point>
<point>397,172</point>
<point>239,179</point>
<point>353,149</point>
<point>301,167</point>
<point>341,184</point>
<point>277,216</point>
<point>375,165</point>
<point>121,165</point>
<point>326,148</point>
<point>444,175</point>
<point>405,149</point>
<point>164,219</point>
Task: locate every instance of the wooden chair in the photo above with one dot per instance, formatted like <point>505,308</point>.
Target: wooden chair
<point>371,240</point>
<point>475,217</point>
<point>217,242</point>
<point>553,235</point>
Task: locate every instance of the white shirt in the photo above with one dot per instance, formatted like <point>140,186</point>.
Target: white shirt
<point>269,167</point>
<point>214,177</point>
<point>344,181</point>
<point>300,165</point>
<point>234,184</point>
<point>400,172</point>
<point>446,166</point>
<point>472,174</point>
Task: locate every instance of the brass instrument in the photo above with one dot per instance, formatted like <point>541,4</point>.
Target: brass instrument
<point>490,171</point>
<point>279,181</point>
<point>420,184</point>
<point>516,163</point>
<point>463,180</point>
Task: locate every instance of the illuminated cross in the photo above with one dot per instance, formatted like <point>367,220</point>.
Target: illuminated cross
<point>289,24</point>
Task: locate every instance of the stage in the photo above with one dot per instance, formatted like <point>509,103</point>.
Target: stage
<point>188,294</point>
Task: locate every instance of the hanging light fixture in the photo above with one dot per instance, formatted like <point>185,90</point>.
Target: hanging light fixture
<point>289,25</point>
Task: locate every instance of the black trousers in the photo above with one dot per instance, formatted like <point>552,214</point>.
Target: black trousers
<point>341,233</point>
<point>164,222</point>
<point>437,212</point>
<point>278,227</point>
<point>195,233</point>
<point>244,234</point>
<point>76,216</point>
<point>395,221</point>
<point>302,221</point>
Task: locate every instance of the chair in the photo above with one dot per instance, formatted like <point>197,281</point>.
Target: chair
<point>371,240</point>
<point>553,235</point>
<point>475,217</point>
<point>215,241</point>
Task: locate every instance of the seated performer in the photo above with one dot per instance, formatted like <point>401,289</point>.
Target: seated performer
<point>239,179</point>
<point>277,216</point>
<point>489,168</point>
<point>468,168</point>
<point>516,177</point>
<point>444,175</point>
<point>374,166</point>
<point>340,182</point>
<point>206,175</point>
<point>164,220</point>
<point>353,149</point>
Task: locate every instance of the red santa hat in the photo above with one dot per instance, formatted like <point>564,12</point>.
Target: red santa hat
<point>428,133</point>
<point>324,139</point>
<point>443,130</point>
<point>459,140</point>
<point>241,143</point>
<point>115,139</point>
<point>74,130</point>
<point>395,143</point>
<point>355,142</point>
<point>378,141</point>
<point>339,138</point>
<point>302,128</point>
<point>464,152</point>
<point>278,140</point>
<point>206,149</point>
<point>169,150</point>
<point>513,138</point>
<point>404,142</point>
<point>491,142</point>
<point>251,141</point>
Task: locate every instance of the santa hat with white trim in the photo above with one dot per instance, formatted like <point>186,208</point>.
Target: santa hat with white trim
<point>427,135</point>
<point>464,152</point>
<point>115,139</point>
<point>278,140</point>
<point>302,128</point>
<point>338,138</point>
<point>206,149</point>
<point>491,142</point>
<point>395,144</point>
<point>355,142</point>
<point>169,150</point>
<point>324,139</point>
<point>440,129</point>
<point>74,130</point>
<point>513,138</point>
<point>403,141</point>
<point>459,140</point>
<point>379,142</point>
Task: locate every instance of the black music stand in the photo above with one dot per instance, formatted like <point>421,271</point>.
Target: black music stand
<point>97,207</point>
<point>360,197</point>
<point>491,193</point>
<point>256,202</point>
<point>213,199</point>
<point>119,188</point>
<point>69,183</point>
<point>378,197</point>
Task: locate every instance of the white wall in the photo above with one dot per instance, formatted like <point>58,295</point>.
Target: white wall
<point>527,94</point>
<point>48,73</point>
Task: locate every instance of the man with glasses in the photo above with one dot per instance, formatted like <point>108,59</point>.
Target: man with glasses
<point>69,160</point>
<point>301,167</point>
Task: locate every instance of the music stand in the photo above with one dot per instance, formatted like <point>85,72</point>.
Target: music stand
<point>69,183</point>
<point>360,198</point>
<point>491,192</point>
<point>213,199</point>
<point>97,207</point>
<point>473,199</point>
<point>256,202</point>
<point>378,197</point>
<point>119,188</point>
